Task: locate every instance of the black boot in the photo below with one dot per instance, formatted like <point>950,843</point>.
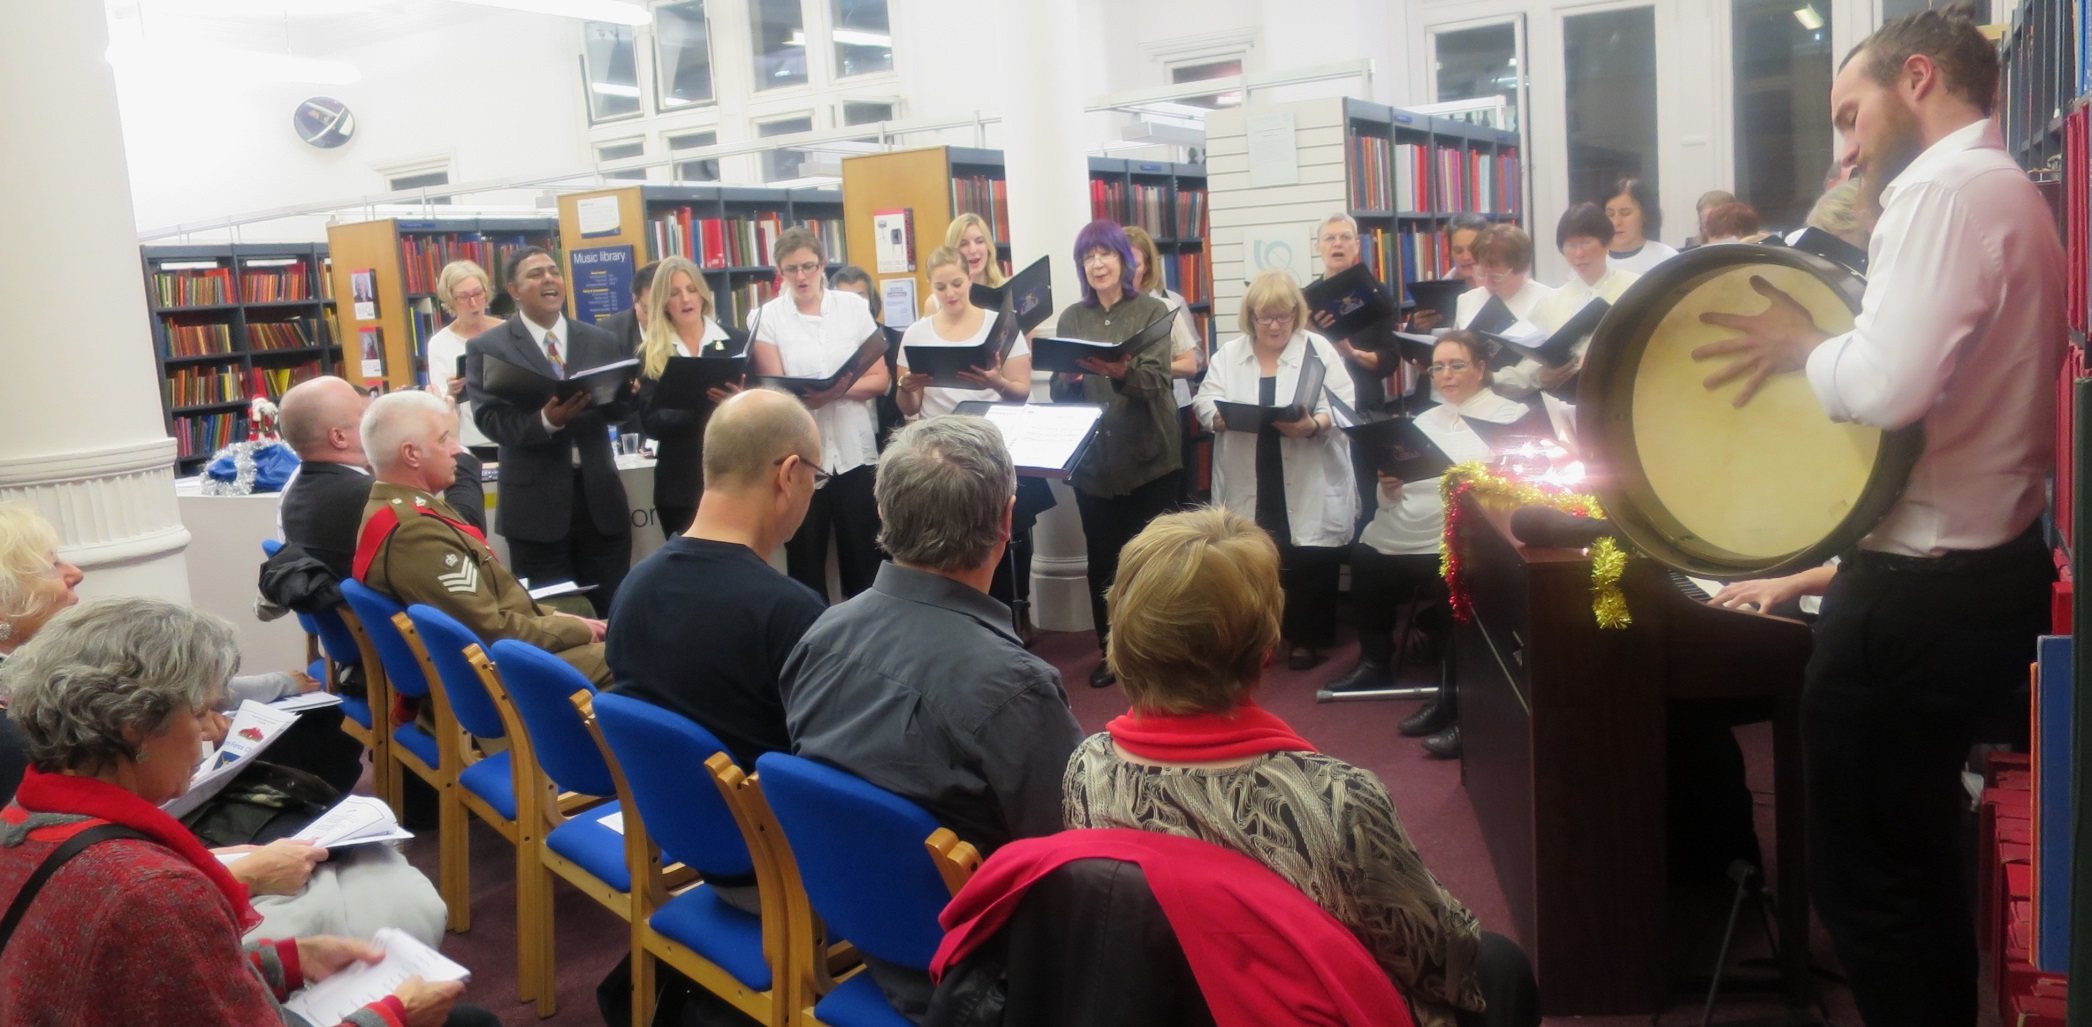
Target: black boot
<point>1444,745</point>
<point>1367,674</point>
<point>1429,719</point>
<point>1101,676</point>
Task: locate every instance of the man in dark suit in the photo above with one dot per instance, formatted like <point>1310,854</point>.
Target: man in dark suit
<point>562,506</point>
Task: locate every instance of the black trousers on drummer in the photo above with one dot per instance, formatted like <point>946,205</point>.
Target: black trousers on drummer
<point>846,508</point>
<point>586,556</point>
<point>1915,661</point>
<point>1109,522</point>
<point>1380,584</point>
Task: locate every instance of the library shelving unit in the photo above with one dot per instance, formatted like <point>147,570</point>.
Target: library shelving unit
<point>230,322</point>
<point>1169,201</point>
<point>404,257</point>
<point>726,230</point>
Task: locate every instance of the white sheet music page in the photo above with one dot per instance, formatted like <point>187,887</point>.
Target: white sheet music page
<point>332,1000</point>
<point>1044,436</point>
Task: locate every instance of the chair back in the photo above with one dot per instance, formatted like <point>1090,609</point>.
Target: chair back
<point>540,686</point>
<point>335,640</point>
<point>860,852</point>
<point>402,668</point>
<point>663,755</point>
<point>446,641</point>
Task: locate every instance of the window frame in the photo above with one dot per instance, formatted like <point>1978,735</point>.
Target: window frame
<point>588,84</point>
<point>661,104</point>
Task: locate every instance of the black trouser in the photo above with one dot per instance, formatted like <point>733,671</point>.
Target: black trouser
<point>1308,576</point>
<point>1915,661</point>
<point>847,507</point>
<point>1380,584</point>
<point>1506,977</point>
<point>674,520</point>
<point>587,556</point>
<point>1109,522</point>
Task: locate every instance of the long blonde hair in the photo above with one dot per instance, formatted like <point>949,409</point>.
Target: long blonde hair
<point>992,267</point>
<point>659,342</point>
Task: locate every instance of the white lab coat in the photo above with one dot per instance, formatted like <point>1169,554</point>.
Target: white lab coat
<point>1321,499</point>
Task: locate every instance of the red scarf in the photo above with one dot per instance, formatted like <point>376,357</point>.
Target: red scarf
<point>1247,730</point>
<point>85,796</point>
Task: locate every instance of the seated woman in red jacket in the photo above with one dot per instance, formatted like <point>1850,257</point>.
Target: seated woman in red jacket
<point>1195,620</point>
<point>110,697</point>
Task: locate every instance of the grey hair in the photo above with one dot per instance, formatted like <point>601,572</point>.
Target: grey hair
<point>108,667</point>
<point>1336,219</point>
<point>389,423</point>
<point>943,485</point>
<point>1842,211</point>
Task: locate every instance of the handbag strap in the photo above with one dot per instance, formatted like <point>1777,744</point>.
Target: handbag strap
<point>59,857</point>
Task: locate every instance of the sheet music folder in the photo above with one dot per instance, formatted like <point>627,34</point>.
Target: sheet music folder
<point>1514,345</point>
<point>1051,353</point>
<point>1045,440</point>
<point>531,390</point>
<point>1354,298</point>
<point>868,353</point>
<point>1028,294</point>
<point>944,362</point>
<point>1397,447</point>
<point>1252,417</point>
<point>685,380</point>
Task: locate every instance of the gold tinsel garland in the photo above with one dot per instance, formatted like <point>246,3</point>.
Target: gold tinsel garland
<point>1608,560</point>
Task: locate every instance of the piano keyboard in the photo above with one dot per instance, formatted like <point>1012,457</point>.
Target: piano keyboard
<point>1696,589</point>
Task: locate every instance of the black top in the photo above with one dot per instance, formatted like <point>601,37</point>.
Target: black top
<point>1271,470</point>
<point>703,628</point>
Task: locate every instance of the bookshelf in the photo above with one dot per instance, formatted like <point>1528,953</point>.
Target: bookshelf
<point>231,322</point>
<point>726,230</point>
<point>404,257</point>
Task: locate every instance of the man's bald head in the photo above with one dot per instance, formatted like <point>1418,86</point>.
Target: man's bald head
<point>319,420</point>
<point>750,432</point>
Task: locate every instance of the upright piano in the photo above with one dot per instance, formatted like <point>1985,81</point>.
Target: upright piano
<point>1563,726</point>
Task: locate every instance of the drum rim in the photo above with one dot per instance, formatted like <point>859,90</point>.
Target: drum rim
<point>1608,436</point>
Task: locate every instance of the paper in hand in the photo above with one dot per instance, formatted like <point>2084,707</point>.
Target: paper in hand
<point>352,988</point>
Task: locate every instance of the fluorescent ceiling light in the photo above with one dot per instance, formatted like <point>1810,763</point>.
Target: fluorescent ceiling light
<point>1808,17</point>
<point>194,60</point>
<point>614,11</point>
<point>613,89</point>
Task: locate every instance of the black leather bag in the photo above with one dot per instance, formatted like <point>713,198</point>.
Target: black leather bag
<point>264,803</point>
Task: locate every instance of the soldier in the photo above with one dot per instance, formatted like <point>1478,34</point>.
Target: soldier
<point>414,547</point>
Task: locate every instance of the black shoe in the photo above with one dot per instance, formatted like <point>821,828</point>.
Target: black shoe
<point>1101,675</point>
<point>1444,745</point>
<point>1367,674</point>
<point>1304,658</point>
<point>1429,719</point>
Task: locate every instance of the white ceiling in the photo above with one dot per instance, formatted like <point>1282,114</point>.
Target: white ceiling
<point>303,27</point>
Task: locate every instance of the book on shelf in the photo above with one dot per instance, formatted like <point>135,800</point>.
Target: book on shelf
<point>200,340</point>
<point>736,304</point>
<point>327,279</point>
<point>273,382</point>
<point>1368,175</point>
<point>987,197</point>
<point>1185,274</point>
<point>1191,213</point>
<point>299,333</point>
<point>192,287</point>
<point>194,386</point>
<point>200,435</point>
<point>274,281</point>
<point>422,255</point>
<point>830,232</point>
<point>1107,200</point>
<point>715,243</point>
<point>1150,209</point>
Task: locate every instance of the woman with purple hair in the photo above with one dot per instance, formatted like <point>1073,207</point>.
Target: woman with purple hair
<point>1134,469</point>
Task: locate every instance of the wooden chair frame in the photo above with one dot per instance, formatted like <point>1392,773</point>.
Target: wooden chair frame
<point>376,739</point>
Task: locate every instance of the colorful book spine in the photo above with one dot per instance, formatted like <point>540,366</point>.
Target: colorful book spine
<point>199,340</point>
<point>275,284</point>
<point>205,434</point>
<point>281,335</point>
<point>193,288</point>
<point>1371,174</point>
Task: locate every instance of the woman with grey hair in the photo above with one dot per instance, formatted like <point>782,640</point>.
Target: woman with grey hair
<point>124,916</point>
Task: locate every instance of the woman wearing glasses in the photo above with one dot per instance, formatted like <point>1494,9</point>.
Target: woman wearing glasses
<point>1134,469</point>
<point>809,331</point>
<point>1503,270</point>
<point>1581,237</point>
<point>1293,476</point>
<point>464,291</point>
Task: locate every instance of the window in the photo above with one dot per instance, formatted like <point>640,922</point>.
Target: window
<point>1477,63</point>
<point>423,180</point>
<point>608,66</point>
<point>863,43</point>
<point>682,54</point>
<point>862,113</point>
<point>1783,132</point>
<point>1183,73</point>
<point>783,165</point>
<point>779,33</point>
<point>622,150</point>
<point>704,170</point>
<point>1611,97</point>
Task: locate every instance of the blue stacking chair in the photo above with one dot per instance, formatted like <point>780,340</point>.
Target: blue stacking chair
<point>557,751</point>
<point>877,869</point>
<point>337,649</point>
<point>697,809</point>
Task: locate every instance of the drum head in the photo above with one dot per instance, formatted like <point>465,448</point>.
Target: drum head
<point>1693,481</point>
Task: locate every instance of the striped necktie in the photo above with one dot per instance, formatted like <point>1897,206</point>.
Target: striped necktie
<point>559,363</point>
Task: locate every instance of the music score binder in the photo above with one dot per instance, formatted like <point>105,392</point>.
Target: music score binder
<point>943,363</point>
<point>1525,340</point>
<point>1052,353</point>
<point>1028,294</point>
<point>1045,440</point>
<point>529,389</point>
<point>1353,298</point>
<point>868,353</point>
<point>1252,417</point>
<point>1495,316</point>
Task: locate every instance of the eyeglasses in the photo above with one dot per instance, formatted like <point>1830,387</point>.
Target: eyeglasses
<point>468,297</point>
<point>1455,366</point>
<point>810,463</point>
<point>794,270</point>
<point>1274,320</point>
<point>1493,276</point>
<point>1097,257</point>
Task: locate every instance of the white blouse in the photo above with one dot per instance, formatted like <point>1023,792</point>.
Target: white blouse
<point>445,347</point>
<point>814,346</point>
<point>1642,260</point>
<point>1321,496</point>
<point>1411,520</point>
<point>1554,312</point>
<point>939,400</point>
<point>1521,302</point>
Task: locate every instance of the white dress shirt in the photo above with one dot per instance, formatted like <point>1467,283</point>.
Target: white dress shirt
<point>1183,338</point>
<point>1554,311</point>
<point>1642,260</point>
<point>1412,521</point>
<point>814,346</point>
<point>538,334</point>
<point>1521,302</point>
<point>938,400</point>
<point>444,350</point>
<point>1961,328</point>
<point>1321,497</point>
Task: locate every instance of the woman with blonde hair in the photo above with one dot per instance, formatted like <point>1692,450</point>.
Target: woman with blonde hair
<point>1195,620</point>
<point>680,323</point>
<point>958,322</point>
<point>970,235</point>
<point>464,291</point>
<point>1293,477</point>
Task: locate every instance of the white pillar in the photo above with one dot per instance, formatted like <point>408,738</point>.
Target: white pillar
<point>81,433</point>
<point>1048,174</point>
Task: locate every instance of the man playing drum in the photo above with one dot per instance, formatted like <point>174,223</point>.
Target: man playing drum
<point>1927,628</point>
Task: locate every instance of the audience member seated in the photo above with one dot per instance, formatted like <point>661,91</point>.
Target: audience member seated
<point>322,504</point>
<point>414,548</point>
<point>1708,200</point>
<point>1731,222</point>
<point>919,684</point>
<point>112,698</point>
<point>1844,211</point>
<point>1196,613</point>
<point>762,455</point>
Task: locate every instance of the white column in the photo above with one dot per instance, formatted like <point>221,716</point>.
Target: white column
<point>1043,159</point>
<point>81,434</point>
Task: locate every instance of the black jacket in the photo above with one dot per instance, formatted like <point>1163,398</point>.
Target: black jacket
<point>536,472</point>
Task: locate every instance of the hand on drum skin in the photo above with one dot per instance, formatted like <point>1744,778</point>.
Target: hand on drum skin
<point>1760,595</point>
<point>1774,342</point>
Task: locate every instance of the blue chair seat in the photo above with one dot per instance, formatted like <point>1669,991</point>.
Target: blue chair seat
<point>356,710</point>
<point>417,741</point>
<point>732,939</point>
<point>593,847</point>
<point>491,780</point>
<point>858,1002</point>
<point>318,670</point>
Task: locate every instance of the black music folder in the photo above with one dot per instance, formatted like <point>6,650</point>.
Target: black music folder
<point>944,362</point>
<point>1051,353</point>
<point>1252,417</point>
<point>1045,440</point>
<point>1494,316</point>
<point>1553,350</point>
<point>1831,248</point>
<point>529,389</point>
<point>1353,297</point>
<point>1396,446</point>
<point>1440,294</point>
<point>868,353</point>
<point>1029,294</point>
<point>1413,346</point>
<point>685,380</point>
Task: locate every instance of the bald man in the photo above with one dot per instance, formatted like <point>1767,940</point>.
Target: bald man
<point>762,463</point>
<point>323,502</point>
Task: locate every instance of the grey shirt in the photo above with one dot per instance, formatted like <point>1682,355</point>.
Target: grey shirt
<point>919,687</point>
